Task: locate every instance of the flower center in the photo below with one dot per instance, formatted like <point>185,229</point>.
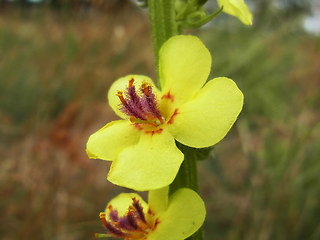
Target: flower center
<point>140,106</point>
<point>134,225</point>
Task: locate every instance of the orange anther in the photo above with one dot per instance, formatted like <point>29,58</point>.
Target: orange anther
<point>103,218</point>
<point>145,87</point>
<point>102,215</point>
<point>131,82</point>
<point>120,95</point>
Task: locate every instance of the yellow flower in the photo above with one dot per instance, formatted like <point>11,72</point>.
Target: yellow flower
<point>237,8</point>
<point>142,146</point>
<point>128,216</point>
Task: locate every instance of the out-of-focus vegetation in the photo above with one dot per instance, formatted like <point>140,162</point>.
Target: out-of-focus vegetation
<point>55,70</point>
<point>262,181</point>
<point>266,173</point>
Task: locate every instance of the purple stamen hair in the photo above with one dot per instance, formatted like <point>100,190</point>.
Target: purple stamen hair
<point>128,223</point>
<point>140,107</point>
<point>114,230</point>
<point>114,215</point>
<point>149,102</point>
<point>139,209</point>
<point>130,109</point>
<point>131,226</point>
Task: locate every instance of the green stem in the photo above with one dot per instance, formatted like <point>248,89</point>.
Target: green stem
<point>187,177</point>
<point>163,26</point>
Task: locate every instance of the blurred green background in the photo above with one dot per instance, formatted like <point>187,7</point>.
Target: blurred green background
<point>57,61</point>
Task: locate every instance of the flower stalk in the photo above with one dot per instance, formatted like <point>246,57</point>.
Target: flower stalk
<point>187,177</point>
<point>164,26</point>
<point>146,147</point>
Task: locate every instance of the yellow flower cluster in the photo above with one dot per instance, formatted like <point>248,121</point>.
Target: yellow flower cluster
<point>142,146</point>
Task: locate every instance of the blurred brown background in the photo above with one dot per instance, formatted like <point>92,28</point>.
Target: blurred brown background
<point>57,61</point>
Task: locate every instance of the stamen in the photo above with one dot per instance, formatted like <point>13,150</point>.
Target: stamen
<point>145,87</point>
<point>141,108</point>
<point>150,102</point>
<point>132,226</point>
<point>114,215</point>
<point>114,230</point>
<point>120,95</point>
<point>139,209</point>
<point>102,216</point>
<point>131,82</point>
<point>134,99</point>
<point>130,108</point>
<point>132,221</point>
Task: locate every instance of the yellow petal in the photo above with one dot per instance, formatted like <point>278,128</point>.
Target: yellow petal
<point>207,118</point>
<point>122,202</point>
<point>184,66</point>
<point>152,163</point>
<point>121,85</point>
<point>107,143</point>
<point>184,216</point>
<point>237,8</point>
<point>158,199</point>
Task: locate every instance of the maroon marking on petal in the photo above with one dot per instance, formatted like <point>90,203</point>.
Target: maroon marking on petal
<point>150,212</point>
<point>171,120</point>
<point>137,125</point>
<point>154,131</point>
<point>156,224</point>
<point>168,96</point>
